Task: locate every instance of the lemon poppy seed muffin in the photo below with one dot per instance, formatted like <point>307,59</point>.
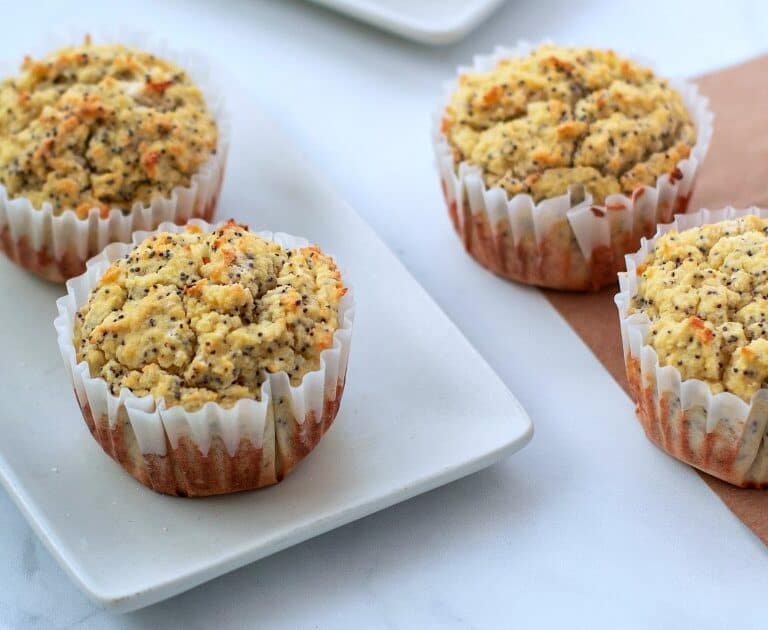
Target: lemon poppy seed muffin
<point>208,360</point>
<point>705,291</point>
<point>201,317</point>
<point>101,126</point>
<point>98,141</point>
<point>563,116</point>
<point>693,309</point>
<point>555,161</point>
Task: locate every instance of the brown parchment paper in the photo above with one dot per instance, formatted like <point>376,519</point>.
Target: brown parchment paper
<point>735,173</point>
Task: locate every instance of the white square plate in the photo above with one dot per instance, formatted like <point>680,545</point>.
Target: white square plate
<point>427,21</point>
<point>421,409</point>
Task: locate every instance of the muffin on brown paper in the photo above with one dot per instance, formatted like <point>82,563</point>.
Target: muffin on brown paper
<point>207,360</point>
<point>555,161</point>
<point>99,140</point>
<point>693,308</point>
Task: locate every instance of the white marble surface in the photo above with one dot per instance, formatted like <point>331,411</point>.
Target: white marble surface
<point>589,526</point>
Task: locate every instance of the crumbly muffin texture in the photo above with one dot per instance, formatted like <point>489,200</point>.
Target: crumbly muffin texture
<point>196,317</point>
<point>705,291</point>
<point>568,116</point>
<point>101,126</point>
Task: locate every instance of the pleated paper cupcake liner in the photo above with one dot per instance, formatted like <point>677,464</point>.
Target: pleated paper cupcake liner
<point>213,450</point>
<point>56,247</point>
<point>565,242</point>
<point>720,434</point>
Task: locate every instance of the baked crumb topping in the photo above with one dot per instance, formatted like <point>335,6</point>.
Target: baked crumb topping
<point>101,126</point>
<point>705,291</point>
<point>568,116</point>
<point>197,317</point>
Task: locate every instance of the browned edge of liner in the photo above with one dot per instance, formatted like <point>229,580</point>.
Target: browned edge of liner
<point>186,472</point>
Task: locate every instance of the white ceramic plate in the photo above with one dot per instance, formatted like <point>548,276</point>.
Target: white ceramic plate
<point>421,409</point>
<point>427,21</point>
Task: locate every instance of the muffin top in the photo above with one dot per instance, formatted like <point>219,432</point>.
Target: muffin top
<point>567,116</point>
<point>705,291</point>
<point>101,126</point>
<point>201,316</point>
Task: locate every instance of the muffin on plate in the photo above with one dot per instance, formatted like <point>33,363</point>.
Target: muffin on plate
<point>97,141</point>
<point>693,308</point>
<point>555,161</point>
<point>207,360</point>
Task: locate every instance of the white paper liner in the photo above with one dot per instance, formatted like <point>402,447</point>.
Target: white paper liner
<point>718,433</point>
<point>157,426</point>
<point>57,246</point>
<point>591,229</point>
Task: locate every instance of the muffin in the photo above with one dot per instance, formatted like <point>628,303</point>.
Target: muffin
<point>97,141</point>
<point>555,161</point>
<point>207,360</point>
<point>694,321</point>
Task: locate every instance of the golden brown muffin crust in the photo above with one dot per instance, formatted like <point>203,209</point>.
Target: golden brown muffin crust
<point>101,126</point>
<point>705,291</point>
<point>562,116</point>
<point>197,317</point>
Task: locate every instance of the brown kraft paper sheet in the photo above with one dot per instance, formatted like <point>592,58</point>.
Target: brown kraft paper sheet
<point>735,173</point>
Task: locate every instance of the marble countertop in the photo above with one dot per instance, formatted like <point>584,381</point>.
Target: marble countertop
<point>588,526</point>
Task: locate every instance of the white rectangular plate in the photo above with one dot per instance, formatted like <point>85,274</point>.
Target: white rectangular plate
<point>421,409</point>
<point>427,21</point>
